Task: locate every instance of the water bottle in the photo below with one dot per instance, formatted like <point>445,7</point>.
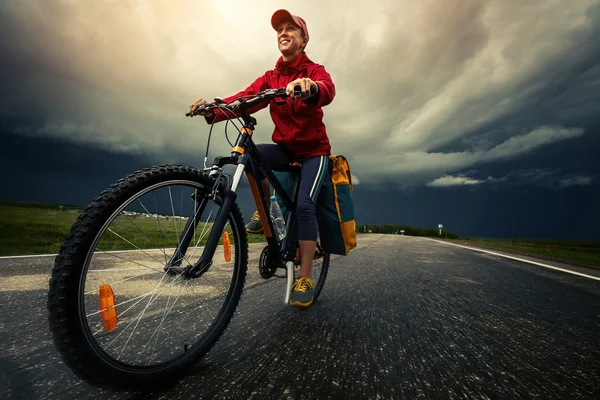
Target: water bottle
<point>277,218</point>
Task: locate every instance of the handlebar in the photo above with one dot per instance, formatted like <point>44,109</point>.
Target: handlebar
<point>246,102</point>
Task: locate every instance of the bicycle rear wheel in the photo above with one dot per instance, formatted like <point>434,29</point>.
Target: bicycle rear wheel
<point>319,269</point>
<point>119,317</point>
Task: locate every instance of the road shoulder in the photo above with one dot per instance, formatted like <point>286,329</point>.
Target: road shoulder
<point>528,258</point>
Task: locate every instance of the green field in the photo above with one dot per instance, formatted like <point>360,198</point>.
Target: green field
<point>35,228</point>
<point>29,228</point>
<point>578,253</point>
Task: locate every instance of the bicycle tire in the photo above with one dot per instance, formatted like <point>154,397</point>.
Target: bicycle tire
<point>267,271</point>
<point>322,276</point>
<point>320,282</point>
<point>68,326</point>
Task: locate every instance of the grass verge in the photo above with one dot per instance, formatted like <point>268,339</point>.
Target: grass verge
<point>576,253</point>
<point>41,229</point>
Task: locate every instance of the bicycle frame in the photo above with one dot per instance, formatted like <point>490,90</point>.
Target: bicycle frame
<point>248,159</point>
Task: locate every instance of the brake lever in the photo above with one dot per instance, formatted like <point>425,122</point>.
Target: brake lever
<point>280,94</point>
<point>195,113</point>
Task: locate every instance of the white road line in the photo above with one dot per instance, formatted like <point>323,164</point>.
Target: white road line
<point>118,269</point>
<point>54,255</point>
<point>519,259</point>
<point>29,256</point>
<point>108,252</point>
<point>100,252</point>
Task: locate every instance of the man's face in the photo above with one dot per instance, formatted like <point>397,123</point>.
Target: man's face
<point>289,38</point>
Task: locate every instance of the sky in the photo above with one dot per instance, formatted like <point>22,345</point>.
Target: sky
<point>483,116</point>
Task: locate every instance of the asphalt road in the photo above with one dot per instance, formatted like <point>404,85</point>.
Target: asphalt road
<point>400,317</point>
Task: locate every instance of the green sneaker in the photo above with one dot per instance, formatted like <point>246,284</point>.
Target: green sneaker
<point>254,226</point>
<point>302,293</point>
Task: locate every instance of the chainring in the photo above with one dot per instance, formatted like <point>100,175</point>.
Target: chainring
<point>266,268</point>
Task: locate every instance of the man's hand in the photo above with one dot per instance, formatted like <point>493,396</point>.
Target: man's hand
<point>305,84</point>
<point>195,105</point>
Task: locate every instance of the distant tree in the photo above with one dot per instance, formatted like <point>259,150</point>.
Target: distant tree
<point>391,229</point>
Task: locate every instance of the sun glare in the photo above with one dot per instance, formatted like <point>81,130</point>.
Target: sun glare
<point>225,7</point>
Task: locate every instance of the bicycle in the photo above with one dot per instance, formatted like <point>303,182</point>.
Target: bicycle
<point>114,287</point>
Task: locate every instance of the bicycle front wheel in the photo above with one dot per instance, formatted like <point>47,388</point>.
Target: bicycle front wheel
<point>119,316</point>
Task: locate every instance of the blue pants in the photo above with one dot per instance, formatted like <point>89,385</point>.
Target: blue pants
<point>311,177</point>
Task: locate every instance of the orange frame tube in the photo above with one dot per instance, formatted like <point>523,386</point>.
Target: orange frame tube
<point>259,205</point>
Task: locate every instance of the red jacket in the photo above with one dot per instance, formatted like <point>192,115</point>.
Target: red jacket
<point>300,131</point>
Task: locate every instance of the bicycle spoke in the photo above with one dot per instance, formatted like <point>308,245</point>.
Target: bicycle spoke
<point>160,325</point>
<point>202,234</point>
<point>181,203</point>
<point>112,254</point>
<point>94,291</point>
<point>173,211</point>
<point>144,267</point>
<point>141,297</point>
<point>161,249</point>
<point>154,322</point>
<point>156,208</point>
<point>139,317</point>
<point>159,227</point>
<point>136,247</point>
<point>196,212</point>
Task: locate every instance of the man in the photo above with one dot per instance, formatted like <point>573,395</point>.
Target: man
<point>299,135</point>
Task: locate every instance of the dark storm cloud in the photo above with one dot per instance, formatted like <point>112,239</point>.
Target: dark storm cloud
<point>414,80</point>
<point>52,170</point>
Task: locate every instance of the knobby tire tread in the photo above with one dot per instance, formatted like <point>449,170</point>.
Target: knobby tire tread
<point>62,305</point>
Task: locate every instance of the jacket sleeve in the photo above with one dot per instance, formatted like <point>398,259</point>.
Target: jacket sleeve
<point>326,88</point>
<point>255,87</point>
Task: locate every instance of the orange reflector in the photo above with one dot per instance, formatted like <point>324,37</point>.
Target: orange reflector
<point>226,246</point>
<point>107,306</point>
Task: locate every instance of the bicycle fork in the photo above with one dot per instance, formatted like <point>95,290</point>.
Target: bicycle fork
<point>228,195</point>
<point>188,233</point>
<point>205,261</point>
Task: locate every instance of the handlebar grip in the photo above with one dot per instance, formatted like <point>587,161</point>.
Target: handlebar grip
<point>189,114</point>
<point>313,90</point>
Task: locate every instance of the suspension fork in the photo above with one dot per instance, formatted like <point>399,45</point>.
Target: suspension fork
<point>228,196</point>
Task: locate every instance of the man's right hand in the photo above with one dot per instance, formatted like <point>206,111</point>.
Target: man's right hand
<point>194,106</point>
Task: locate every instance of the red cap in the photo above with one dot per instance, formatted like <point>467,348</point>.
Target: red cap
<point>280,16</point>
